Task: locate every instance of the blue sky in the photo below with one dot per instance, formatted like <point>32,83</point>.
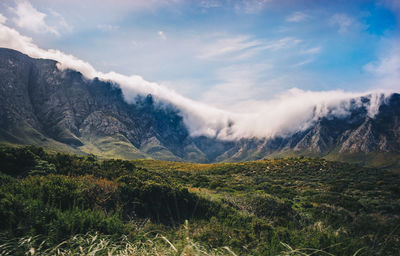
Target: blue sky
<point>224,53</point>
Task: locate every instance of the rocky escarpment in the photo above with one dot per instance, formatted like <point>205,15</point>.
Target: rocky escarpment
<point>41,104</point>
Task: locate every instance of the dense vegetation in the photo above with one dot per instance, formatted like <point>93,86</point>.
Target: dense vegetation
<point>68,204</point>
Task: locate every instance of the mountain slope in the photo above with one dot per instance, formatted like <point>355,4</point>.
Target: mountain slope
<point>42,105</point>
<point>62,110</point>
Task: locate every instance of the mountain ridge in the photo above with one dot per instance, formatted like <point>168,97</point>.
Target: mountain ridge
<point>61,109</point>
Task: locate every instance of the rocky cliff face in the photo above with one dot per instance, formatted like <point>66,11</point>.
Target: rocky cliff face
<point>39,104</point>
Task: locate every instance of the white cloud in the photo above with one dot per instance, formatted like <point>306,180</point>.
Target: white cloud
<point>60,21</point>
<point>135,43</point>
<point>386,69</point>
<point>242,46</point>
<point>29,18</point>
<point>237,83</point>
<point>293,111</point>
<point>297,17</point>
<point>210,4</point>
<point>345,23</point>
<point>304,62</point>
<point>107,27</point>
<point>162,35</point>
<point>250,6</point>
<point>3,19</point>
<point>311,51</point>
<point>11,38</point>
<point>227,45</point>
<point>310,54</point>
<point>290,112</point>
<point>282,43</point>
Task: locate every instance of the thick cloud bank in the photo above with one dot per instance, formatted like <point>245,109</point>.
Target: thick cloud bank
<point>292,111</point>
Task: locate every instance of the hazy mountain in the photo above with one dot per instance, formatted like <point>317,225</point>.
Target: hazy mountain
<point>62,110</point>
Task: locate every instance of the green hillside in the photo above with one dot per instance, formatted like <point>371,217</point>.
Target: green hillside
<point>62,204</point>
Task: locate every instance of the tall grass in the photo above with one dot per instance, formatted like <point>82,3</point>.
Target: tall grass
<point>99,245</point>
<point>289,251</point>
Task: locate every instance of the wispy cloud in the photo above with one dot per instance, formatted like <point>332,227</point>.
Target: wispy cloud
<point>310,55</point>
<point>107,27</point>
<point>59,21</point>
<point>3,19</point>
<point>31,19</point>
<point>304,62</point>
<point>241,47</point>
<point>210,4</point>
<point>236,84</point>
<point>282,43</point>
<point>311,51</point>
<point>162,35</point>
<point>297,17</point>
<point>227,45</point>
<point>250,6</point>
<point>345,23</point>
<point>386,69</point>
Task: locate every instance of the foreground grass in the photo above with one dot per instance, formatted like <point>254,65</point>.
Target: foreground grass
<point>96,244</point>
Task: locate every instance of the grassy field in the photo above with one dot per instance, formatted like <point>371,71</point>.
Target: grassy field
<point>61,204</point>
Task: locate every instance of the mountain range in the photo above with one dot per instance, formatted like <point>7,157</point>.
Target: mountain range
<point>62,110</point>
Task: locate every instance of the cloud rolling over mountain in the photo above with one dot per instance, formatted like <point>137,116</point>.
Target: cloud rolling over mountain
<point>290,112</point>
